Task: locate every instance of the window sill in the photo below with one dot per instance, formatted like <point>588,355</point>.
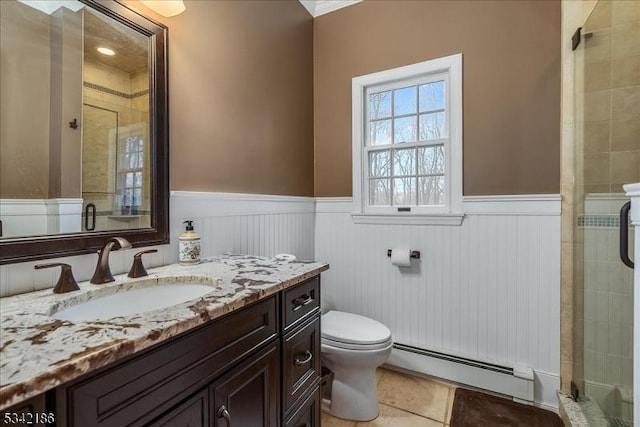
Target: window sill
<point>409,219</point>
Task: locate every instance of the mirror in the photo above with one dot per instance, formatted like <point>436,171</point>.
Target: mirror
<point>83,128</point>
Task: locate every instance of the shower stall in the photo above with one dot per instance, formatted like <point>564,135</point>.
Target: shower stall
<point>607,156</point>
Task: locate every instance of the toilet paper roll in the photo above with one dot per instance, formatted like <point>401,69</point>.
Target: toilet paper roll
<point>401,257</point>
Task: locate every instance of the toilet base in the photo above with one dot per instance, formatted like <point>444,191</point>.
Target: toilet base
<point>354,397</point>
<point>352,348</point>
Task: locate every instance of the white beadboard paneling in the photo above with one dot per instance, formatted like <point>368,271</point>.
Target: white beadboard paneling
<point>246,223</point>
<point>29,217</point>
<point>22,277</point>
<point>234,223</point>
<point>488,290</point>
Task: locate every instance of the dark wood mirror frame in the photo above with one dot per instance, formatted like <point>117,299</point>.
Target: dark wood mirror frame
<point>21,249</point>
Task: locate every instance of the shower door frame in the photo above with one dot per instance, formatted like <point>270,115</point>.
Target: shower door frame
<point>633,191</point>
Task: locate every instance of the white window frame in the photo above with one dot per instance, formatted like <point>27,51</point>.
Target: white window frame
<point>125,132</point>
<point>449,214</point>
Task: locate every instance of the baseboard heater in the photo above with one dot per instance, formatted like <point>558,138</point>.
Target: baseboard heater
<point>517,381</point>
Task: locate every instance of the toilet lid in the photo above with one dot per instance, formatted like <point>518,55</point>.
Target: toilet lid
<point>353,329</point>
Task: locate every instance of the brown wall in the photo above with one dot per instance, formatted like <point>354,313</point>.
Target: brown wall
<point>511,60</point>
<point>65,143</point>
<point>24,35</point>
<point>241,97</point>
<point>40,84</point>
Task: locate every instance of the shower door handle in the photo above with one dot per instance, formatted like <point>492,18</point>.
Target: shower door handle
<point>624,235</point>
<point>90,208</point>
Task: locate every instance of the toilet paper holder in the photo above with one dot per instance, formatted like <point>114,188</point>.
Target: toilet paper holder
<point>414,254</point>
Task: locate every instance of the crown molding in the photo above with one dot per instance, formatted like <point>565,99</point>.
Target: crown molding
<point>322,7</point>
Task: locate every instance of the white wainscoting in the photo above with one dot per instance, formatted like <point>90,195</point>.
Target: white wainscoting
<point>246,223</point>
<point>233,223</point>
<point>30,217</point>
<point>488,290</point>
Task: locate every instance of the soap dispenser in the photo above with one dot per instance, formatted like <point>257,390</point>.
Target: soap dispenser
<point>189,245</point>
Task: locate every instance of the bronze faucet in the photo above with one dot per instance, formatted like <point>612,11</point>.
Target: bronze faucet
<point>103,272</point>
<point>137,268</point>
<point>66,281</point>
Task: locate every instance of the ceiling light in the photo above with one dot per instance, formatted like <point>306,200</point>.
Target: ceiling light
<point>106,51</point>
<point>165,7</point>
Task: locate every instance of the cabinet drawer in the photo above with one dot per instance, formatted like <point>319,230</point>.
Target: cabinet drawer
<point>300,362</point>
<point>307,414</point>
<point>144,386</point>
<point>300,301</point>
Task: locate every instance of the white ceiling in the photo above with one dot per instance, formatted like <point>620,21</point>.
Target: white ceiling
<point>50,6</point>
<point>320,7</point>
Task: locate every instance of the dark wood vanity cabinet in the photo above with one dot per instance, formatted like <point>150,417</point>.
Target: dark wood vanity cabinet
<point>301,366</point>
<point>194,412</point>
<point>147,385</point>
<point>307,414</point>
<point>249,396</point>
<point>245,396</point>
<point>258,366</point>
<point>301,362</point>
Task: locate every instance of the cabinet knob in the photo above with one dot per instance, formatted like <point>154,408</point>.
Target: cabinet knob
<point>298,303</point>
<point>223,413</point>
<point>307,359</point>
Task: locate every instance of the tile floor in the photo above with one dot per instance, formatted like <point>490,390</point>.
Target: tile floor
<point>406,401</point>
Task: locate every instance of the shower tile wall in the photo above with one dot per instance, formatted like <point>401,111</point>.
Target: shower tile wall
<point>126,96</point>
<point>608,305</point>
<point>611,111</point>
<point>607,155</point>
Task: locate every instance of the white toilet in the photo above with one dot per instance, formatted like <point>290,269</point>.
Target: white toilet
<point>353,347</point>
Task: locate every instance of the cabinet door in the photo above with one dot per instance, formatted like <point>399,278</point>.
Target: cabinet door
<point>194,412</point>
<point>247,396</point>
<point>308,414</point>
<point>136,391</point>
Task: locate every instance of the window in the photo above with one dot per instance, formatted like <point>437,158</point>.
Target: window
<point>130,170</point>
<point>407,143</point>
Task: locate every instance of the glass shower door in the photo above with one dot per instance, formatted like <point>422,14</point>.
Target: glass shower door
<point>607,157</point>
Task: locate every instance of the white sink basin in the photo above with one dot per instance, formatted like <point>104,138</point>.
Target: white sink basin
<point>132,302</point>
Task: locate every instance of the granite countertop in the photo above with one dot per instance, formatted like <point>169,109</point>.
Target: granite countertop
<point>38,352</point>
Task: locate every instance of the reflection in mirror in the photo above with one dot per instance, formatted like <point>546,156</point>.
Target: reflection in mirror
<point>74,120</point>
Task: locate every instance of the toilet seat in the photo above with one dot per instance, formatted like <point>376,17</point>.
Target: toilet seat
<point>353,332</point>
<point>356,347</point>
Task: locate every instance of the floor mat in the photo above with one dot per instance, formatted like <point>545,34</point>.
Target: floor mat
<point>619,422</point>
<point>474,409</point>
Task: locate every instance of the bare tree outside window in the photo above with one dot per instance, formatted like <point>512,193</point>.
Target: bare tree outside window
<point>130,169</point>
<point>411,115</point>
